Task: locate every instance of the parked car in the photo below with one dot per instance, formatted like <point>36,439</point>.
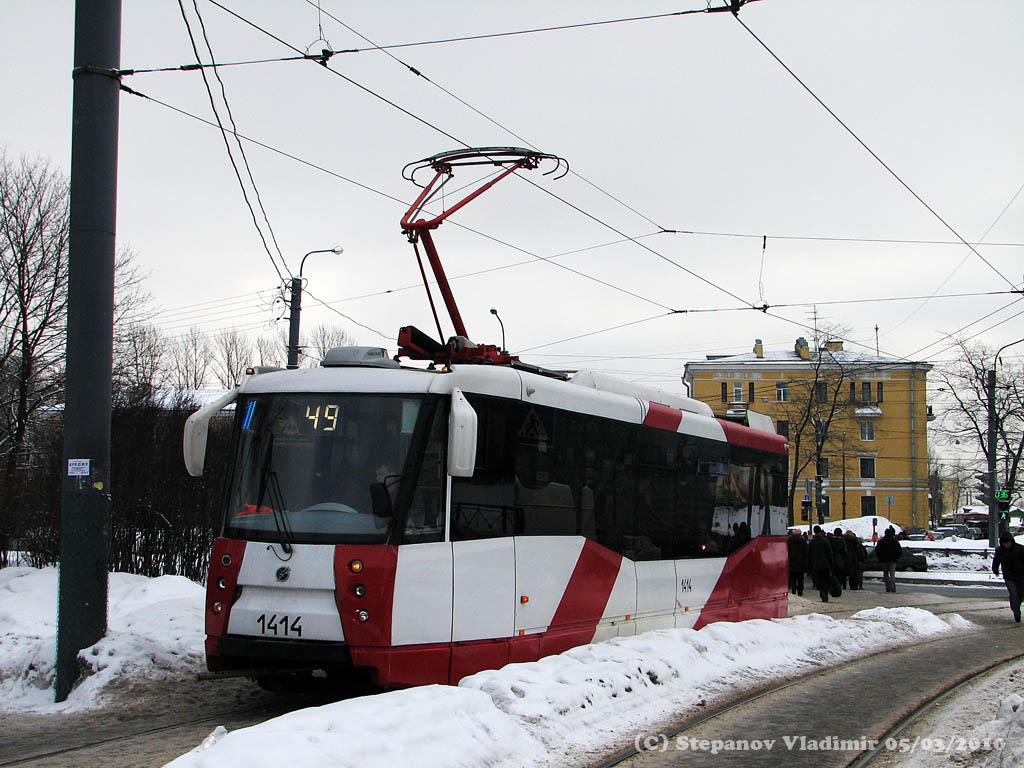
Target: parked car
<point>945,532</point>
<point>909,561</point>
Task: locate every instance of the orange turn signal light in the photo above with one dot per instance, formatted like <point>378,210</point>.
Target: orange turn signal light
<point>355,566</point>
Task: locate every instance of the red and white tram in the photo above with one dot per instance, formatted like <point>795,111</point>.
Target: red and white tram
<point>426,524</point>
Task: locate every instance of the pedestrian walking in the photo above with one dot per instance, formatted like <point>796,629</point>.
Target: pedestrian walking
<point>819,552</point>
<point>855,557</point>
<point>888,553</point>
<point>797,547</point>
<point>838,545</point>
<point>1010,558</point>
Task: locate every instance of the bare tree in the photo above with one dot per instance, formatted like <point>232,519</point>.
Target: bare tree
<point>34,228</point>
<point>814,403</point>
<point>963,422</point>
<point>232,354</point>
<point>139,368</point>
<point>272,349</point>
<point>191,361</point>
<point>323,338</point>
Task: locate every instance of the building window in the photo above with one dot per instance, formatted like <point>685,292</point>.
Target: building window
<point>820,391</point>
<point>823,467</point>
<point>853,391</point>
<point>865,391</point>
<point>867,468</point>
<point>867,431</point>
<point>782,392</point>
<point>737,392</point>
<point>878,391</point>
<point>867,505</point>
<point>750,392</point>
<point>725,392</point>
<point>782,427</point>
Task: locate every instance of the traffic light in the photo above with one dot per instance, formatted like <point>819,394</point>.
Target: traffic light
<point>805,510</point>
<point>986,487</point>
<point>1002,496</point>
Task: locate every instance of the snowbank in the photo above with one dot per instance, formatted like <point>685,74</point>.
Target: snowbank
<point>862,526</point>
<point>565,709</point>
<point>155,633</point>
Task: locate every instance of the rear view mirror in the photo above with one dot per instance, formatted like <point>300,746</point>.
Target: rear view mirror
<point>380,498</point>
<point>462,424</point>
<point>197,429</point>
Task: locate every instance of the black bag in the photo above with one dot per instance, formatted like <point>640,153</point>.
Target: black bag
<point>835,589</point>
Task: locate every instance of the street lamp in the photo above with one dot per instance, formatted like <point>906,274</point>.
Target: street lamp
<point>295,308</point>
<point>990,385</point>
<point>495,313</point>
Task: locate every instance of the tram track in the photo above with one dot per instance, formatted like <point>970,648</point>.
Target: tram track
<point>135,746</point>
<point>893,735</point>
<point>778,707</point>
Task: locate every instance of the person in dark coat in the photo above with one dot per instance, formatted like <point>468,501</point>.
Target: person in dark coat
<point>819,552</point>
<point>838,545</point>
<point>797,546</point>
<point>855,557</point>
<point>1010,557</point>
<point>888,553</point>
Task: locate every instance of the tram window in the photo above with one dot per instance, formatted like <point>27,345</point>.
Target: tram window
<point>549,448</point>
<point>483,506</point>
<point>425,520</point>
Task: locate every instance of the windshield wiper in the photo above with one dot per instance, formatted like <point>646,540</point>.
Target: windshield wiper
<point>268,479</point>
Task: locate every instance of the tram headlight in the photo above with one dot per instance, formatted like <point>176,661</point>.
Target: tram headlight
<point>359,590</point>
<point>217,607</point>
<point>222,583</point>
<point>356,566</point>
<point>363,615</point>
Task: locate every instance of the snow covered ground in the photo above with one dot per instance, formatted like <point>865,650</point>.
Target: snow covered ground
<point>155,634</point>
<point>565,709</point>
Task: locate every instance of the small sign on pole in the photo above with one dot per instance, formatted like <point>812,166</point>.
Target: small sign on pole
<point>78,467</point>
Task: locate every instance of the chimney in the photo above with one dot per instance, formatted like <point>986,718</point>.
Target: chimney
<point>802,349</point>
<point>758,348</point>
<point>834,346</point>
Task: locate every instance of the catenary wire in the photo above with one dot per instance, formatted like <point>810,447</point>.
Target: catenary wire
<point>871,151</point>
<point>368,188</point>
<point>227,144</point>
<point>962,261</point>
<point>445,133</point>
<point>241,148</point>
<point>464,144</point>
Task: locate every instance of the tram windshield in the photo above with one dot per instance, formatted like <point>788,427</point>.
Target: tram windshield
<point>305,465</point>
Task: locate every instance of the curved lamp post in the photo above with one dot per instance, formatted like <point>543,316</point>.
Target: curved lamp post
<point>296,305</point>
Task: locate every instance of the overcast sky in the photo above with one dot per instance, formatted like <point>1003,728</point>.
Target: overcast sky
<point>687,120</point>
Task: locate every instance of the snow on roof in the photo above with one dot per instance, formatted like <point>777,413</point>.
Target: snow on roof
<point>791,357</point>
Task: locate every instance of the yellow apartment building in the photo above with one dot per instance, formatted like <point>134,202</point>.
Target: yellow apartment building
<point>870,412</point>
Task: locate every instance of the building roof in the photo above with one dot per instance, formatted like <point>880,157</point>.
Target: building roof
<point>771,358</point>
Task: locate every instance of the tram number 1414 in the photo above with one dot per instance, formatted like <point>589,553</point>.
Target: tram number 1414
<point>283,626</point>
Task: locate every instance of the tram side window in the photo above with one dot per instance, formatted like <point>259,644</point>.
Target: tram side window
<point>483,506</point>
<point>425,520</point>
<point>549,473</point>
<point>608,477</point>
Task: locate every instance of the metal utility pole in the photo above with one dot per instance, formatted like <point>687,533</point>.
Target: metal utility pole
<point>293,322</point>
<point>993,505</point>
<point>85,496</point>
<point>295,307</point>
<point>990,386</point>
